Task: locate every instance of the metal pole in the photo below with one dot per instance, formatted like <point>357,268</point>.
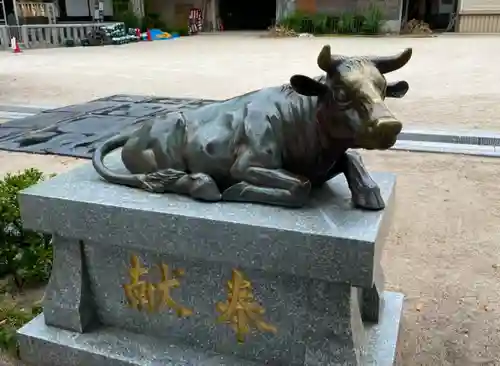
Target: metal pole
<point>4,14</point>
<point>16,15</point>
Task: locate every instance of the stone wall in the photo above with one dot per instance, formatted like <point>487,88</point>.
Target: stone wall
<point>391,8</point>
<point>308,6</point>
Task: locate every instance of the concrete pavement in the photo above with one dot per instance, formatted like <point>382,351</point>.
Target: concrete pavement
<point>453,79</point>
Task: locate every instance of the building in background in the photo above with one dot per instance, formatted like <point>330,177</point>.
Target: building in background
<point>478,16</point>
<point>465,16</point>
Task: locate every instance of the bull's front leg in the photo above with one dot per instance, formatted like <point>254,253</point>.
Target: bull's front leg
<point>365,192</point>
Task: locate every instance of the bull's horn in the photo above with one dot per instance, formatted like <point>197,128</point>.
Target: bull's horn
<point>325,58</point>
<point>392,63</point>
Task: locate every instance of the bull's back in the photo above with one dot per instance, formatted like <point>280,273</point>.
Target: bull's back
<point>212,140</point>
<point>216,131</point>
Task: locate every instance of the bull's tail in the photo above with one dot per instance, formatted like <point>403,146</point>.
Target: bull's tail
<point>131,180</point>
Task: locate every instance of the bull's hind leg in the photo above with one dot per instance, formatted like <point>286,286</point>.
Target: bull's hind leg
<point>136,154</point>
<point>199,186</point>
<point>166,140</point>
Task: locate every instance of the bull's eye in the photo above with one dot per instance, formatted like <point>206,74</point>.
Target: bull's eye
<point>340,96</point>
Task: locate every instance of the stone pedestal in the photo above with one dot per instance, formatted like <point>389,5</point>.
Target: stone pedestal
<point>146,279</point>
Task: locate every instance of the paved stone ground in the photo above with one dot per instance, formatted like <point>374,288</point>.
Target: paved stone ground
<point>443,249</point>
<point>453,79</point>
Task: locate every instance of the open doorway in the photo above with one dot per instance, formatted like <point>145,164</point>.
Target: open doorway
<point>438,14</point>
<point>247,15</point>
<point>7,13</point>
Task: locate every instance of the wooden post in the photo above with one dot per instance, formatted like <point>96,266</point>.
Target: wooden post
<point>213,15</point>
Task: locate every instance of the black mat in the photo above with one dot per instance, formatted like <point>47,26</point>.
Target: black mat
<point>76,130</point>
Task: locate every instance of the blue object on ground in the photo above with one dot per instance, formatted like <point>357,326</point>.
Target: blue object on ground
<point>156,35</point>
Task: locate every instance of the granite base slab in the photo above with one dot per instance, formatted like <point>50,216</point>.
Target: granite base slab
<point>42,345</point>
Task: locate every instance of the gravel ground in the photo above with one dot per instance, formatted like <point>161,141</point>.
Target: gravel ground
<point>452,78</point>
<point>443,249</point>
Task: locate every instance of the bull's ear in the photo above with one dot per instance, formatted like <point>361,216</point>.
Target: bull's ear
<point>397,90</point>
<point>306,86</point>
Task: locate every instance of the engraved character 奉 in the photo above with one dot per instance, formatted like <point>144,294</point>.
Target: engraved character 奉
<point>241,310</point>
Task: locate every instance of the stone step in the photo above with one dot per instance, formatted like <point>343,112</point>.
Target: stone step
<point>20,108</point>
<point>7,116</point>
<point>465,137</point>
<point>447,148</point>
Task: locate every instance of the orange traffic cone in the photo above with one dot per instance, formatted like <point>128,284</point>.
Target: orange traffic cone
<point>15,45</point>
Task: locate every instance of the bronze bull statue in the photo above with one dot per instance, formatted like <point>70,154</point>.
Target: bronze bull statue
<point>271,145</point>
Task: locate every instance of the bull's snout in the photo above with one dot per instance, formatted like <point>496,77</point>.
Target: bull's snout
<point>384,128</point>
<point>386,133</point>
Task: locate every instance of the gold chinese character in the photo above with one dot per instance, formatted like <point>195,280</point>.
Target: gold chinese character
<point>240,310</point>
<point>144,295</point>
<point>140,294</point>
<point>164,288</point>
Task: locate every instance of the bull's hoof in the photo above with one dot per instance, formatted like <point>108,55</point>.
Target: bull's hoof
<point>204,188</point>
<point>206,193</point>
<point>369,199</point>
<point>236,192</point>
<point>302,189</point>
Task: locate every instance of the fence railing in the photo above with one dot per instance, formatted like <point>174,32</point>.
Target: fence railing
<point>46,35</point>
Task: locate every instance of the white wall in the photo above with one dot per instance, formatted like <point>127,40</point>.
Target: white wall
<point>80,8</point>
<point>486,6</point>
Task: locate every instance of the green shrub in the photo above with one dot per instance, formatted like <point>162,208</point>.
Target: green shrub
<point>318,24</point>
<point>129,18</point>
<point>294,21</point>
<point>183,31</point>
<point>343,23</point>
<point>373,19</point>
<point>359,20</point>
<point>153,21</point>
<point>347,23</point>
<point>120,6</point>
<point>11,319</point>
<point>25,255</point>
